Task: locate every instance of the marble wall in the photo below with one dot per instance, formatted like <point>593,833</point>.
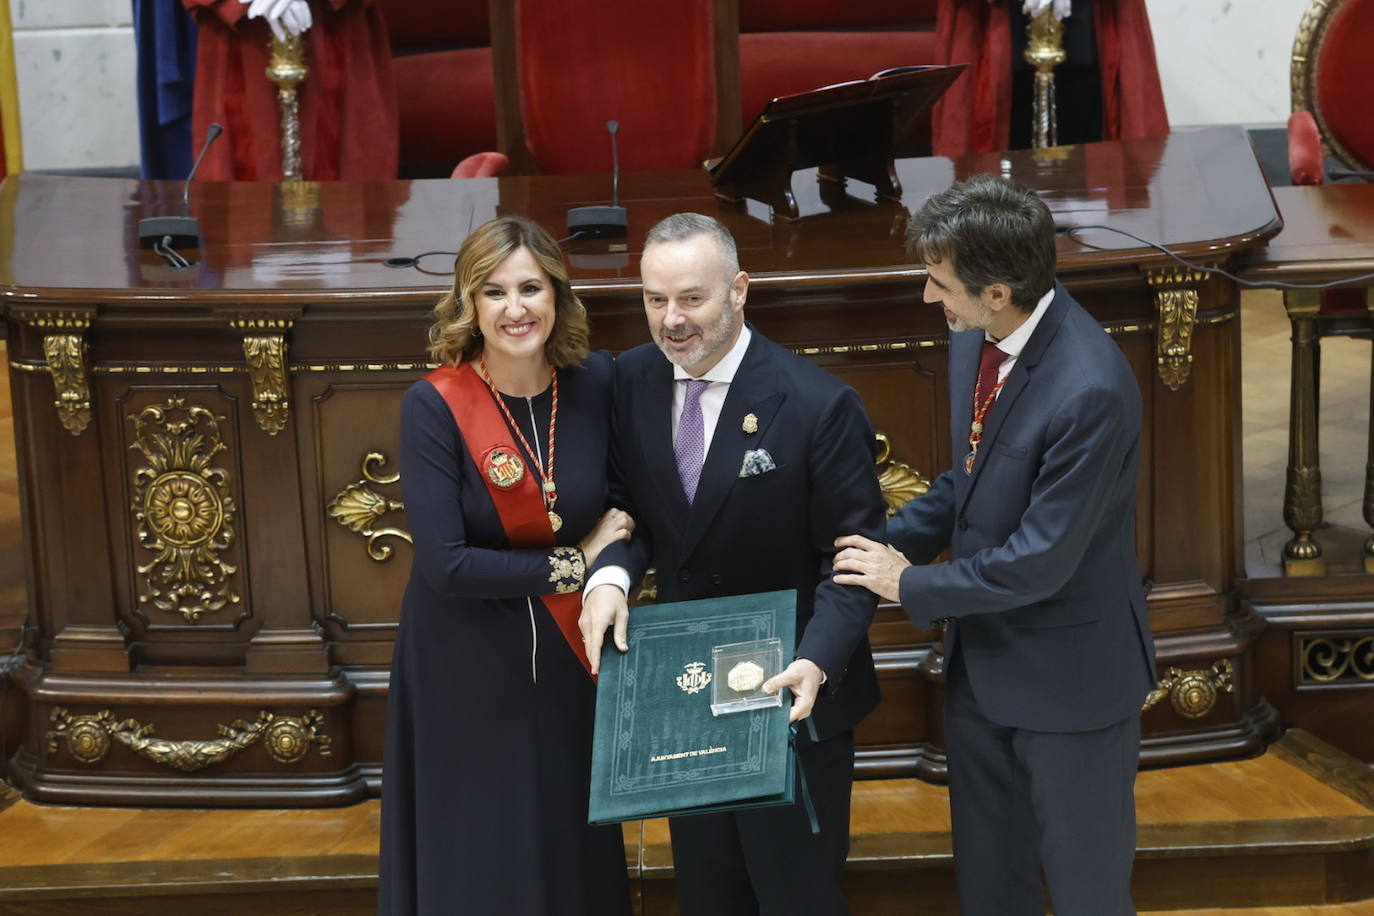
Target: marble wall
<point>75,65</point>
<point>1225,61</point>
<point>1221,62</point>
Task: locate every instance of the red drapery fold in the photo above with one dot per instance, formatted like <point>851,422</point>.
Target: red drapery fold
<point>347,104</point>
<point>974,116</point>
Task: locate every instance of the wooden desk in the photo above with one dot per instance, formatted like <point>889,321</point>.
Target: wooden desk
<point>211,542</point>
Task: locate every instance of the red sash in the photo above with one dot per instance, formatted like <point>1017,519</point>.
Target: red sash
<point>518,498</point>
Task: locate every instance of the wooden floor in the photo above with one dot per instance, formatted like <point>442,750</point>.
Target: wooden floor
<point>1291,831</point>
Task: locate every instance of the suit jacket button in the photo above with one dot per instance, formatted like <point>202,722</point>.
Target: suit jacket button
<point>715,578</point>
<point>683,575</point>
<point>962,523</point>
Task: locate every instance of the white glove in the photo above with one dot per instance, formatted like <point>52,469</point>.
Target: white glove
<point>285,17</point>
<point>1033,8</point>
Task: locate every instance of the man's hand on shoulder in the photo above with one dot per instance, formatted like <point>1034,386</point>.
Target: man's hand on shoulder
<point>864,562</point>
<point>804,677</point>
<point>604,607</point>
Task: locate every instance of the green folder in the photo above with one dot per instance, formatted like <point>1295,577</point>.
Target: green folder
<point>657,749</point>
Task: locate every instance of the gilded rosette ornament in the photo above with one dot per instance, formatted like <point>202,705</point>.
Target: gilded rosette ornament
<point>286,69</point>
<point>1193,694</point>
<point>87,738</point>
<point>360,509</point>
<point>900,482</point>
<point>1176,299</point>
<point>65,356</point>
<point>183,509</point>
<point>287,739</point>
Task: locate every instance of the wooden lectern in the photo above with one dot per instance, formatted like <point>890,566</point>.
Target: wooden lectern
<point>850,130</point>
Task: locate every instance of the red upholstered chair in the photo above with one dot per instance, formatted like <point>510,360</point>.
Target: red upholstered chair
<point>666,70</point>
<point>442,66</point>
<point>481,165</point>
<point>790,46</point>
<point>1333,89</point>
<point>1333,92</point>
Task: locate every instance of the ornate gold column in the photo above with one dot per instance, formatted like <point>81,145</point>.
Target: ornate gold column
<point>1302,495</point>
<point>1044,52</point>
<point>287,70</point>
<point>265,354</point>
<point>1176,299</point>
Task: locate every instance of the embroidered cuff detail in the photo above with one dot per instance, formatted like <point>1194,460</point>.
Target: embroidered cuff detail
<point>569,569</point>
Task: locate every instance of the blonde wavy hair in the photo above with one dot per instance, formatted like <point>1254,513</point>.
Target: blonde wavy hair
<point>455,337</point>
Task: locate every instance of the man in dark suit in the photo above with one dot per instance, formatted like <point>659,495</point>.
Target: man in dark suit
<point>1048,650</point>
<point>741,463</point>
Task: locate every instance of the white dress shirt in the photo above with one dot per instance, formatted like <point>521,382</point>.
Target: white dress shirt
<point>712,402</point>
<point>1016,341</point>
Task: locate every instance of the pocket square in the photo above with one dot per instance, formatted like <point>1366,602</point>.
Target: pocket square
<point>757,461</point>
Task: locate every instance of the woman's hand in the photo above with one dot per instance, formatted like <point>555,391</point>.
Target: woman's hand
<point>615,525</point>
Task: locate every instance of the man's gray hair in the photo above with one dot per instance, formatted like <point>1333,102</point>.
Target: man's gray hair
<point>681,226</point>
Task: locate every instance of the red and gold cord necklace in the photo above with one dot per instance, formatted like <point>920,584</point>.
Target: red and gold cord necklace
<point>981,407</point>
<point>546,468</point>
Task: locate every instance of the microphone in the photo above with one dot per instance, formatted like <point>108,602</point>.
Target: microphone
<point>177,231</point>
<point>603,222</point>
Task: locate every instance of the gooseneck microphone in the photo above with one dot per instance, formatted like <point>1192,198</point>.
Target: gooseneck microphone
<point>603,222</point>
<point>172,232</point>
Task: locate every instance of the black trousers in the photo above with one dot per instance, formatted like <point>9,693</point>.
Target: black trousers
<point>1022,801</point>
<point>766,861</point>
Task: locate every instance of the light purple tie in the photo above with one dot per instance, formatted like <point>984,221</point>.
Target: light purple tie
<point>690,447</point>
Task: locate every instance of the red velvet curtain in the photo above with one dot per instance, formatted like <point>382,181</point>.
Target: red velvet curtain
<point>975,114</point>
<point>347,103</point>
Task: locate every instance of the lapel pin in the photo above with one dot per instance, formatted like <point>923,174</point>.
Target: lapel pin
<point>751,424</point>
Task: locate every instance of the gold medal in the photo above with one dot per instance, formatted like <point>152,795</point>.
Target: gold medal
<point>751,424</point>
<point>504,468</point>
<point>554,520</point>
<point>745,677</point>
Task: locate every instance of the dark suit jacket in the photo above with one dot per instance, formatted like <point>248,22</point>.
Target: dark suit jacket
<point>1043,588</point>
<point>761,533</point>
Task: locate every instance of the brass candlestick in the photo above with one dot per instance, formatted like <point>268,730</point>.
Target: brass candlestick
<point>287,70</point>
<point>1044,52</point>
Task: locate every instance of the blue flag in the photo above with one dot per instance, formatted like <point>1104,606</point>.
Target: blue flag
<point>166,46</point>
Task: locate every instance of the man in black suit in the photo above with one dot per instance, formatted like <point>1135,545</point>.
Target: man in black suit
<point>741,463</point>
<point>1048,648</point>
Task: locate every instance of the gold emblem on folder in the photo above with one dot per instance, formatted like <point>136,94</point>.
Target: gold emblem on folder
<point>751,424</point>
<point>695,679</point>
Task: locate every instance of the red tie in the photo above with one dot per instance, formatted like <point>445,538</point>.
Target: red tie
<point>987,374</point>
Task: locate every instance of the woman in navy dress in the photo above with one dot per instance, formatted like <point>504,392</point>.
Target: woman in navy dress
<point>489,719</point>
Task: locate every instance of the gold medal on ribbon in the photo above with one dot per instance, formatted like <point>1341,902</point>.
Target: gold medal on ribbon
<point>504,468</point>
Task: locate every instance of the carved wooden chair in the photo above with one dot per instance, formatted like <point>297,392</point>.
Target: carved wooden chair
<point>1332,76</point>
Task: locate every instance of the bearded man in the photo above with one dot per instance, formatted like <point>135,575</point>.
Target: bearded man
<point>741,464</point>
